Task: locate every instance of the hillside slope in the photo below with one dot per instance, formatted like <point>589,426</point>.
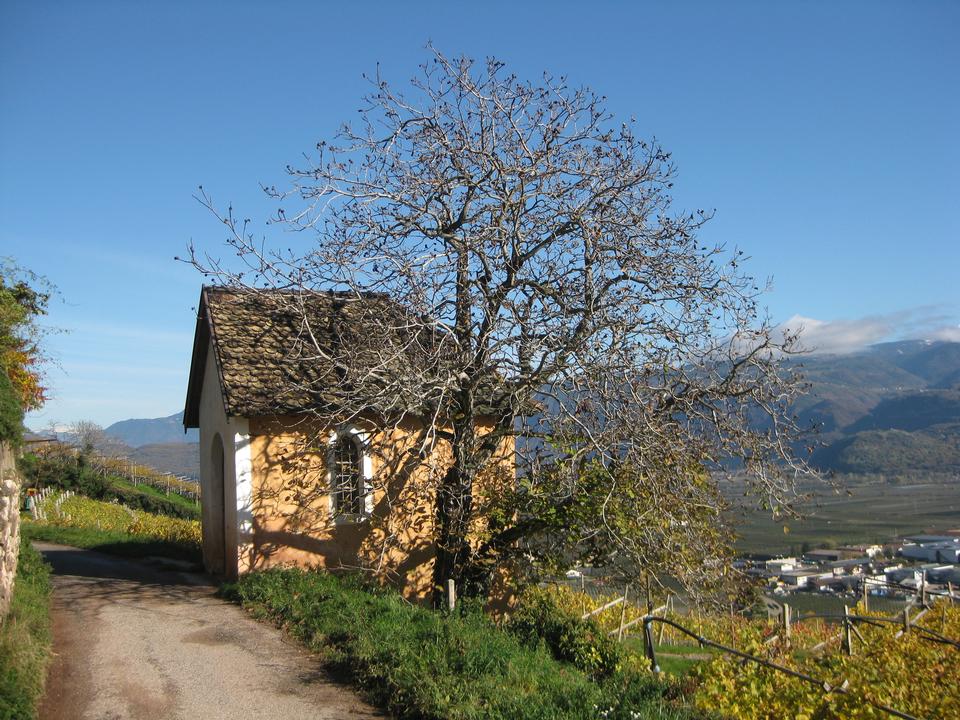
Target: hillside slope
<point>889,452</point>
<point>894,408</point>
<point>181,459</point>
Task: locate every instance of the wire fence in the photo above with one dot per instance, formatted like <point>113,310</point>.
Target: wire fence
<point>823,684</point>
<point>132,472</point>
<point>906,618</point>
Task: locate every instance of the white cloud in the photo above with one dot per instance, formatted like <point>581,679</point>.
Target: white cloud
<point>951,334</point>
<point>844,336</point>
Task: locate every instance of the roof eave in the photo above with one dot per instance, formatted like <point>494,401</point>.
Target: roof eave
<point>198,362</point>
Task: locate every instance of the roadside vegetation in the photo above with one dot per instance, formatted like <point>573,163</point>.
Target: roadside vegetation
<point>422,663</point>
<point>25,638</point>
<point>110,527</point>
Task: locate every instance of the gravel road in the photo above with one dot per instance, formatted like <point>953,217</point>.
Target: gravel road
<point>137,641</point>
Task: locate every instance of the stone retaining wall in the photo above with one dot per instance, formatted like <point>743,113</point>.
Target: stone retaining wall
<point>9,524</point>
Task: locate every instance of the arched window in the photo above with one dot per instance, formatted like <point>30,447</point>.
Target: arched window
<point>349,483</point>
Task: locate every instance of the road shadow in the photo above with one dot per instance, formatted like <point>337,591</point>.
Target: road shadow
<point>90,575</point>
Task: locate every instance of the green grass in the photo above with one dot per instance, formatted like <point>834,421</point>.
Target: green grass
<point>25,638</point>
<point>676,666</point>
<point>114,543</point>
<point>418,663</point>
<point>669,664</point>
<point>162,502</point>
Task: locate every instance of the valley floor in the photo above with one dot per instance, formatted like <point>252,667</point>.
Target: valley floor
<point>864,512</point>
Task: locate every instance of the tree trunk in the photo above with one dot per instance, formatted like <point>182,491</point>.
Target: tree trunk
<point>454,508</point>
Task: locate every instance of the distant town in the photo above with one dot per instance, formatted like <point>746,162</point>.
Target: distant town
<point>917,564</point>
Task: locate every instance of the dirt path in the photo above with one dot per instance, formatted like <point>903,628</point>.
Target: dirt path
<point>134,641</point>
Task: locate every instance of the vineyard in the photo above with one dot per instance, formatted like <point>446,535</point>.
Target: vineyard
<point>913,670</point>
<point>910,671</point>
<point>138,474</point>
<point>133,472</point>
<point>64,509</point>
<point>106,478</point>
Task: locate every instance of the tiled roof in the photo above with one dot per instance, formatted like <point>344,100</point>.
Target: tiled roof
<point>285,352</point>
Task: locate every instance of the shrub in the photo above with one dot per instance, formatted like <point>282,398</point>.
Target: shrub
<point>11,414</point>
<point>25,638</point>
<point>540,617</point>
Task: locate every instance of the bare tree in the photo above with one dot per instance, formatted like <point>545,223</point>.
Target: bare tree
<point>557,302</point>
<point>87,435</point>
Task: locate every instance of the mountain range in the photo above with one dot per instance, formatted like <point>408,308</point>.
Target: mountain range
<point>892,409</point>
<point>152,430</point>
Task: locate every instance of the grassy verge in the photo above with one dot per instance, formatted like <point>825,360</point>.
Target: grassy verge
<point>25,638</point>
<point>115,543</point>
<point>418,663</point>
<point>152,499</point>
<point>676,660</point>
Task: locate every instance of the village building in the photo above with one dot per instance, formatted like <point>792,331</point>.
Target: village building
<point>780,565</point>
<point>932,548</point>
<point>824,555</point>
<point>280,487</point>
<point>798,579</point>
<point>869,551</point>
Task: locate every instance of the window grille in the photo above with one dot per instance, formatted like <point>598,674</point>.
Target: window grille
<point>348,477</point>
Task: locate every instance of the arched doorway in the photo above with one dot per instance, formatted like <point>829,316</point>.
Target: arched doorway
<point>218,515</point>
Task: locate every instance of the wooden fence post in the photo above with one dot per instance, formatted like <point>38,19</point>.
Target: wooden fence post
<point>906,619</point>
<point>786,621</point>
<point>865,600</point>
<point>950,591</point>
<point>663,626</point>
<point>623,612</point>
<point>451,594</point>
<point>847,639</point>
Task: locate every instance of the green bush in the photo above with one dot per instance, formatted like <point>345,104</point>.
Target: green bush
<point>11,414</point>
<point>419,663</point>
<point>25,638</point>
<point>538,618</point>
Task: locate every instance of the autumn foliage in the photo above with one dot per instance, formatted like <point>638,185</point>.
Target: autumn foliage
<point>909,672</point>
<point>23,299</point>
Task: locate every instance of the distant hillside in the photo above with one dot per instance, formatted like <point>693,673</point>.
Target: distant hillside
<point>181,459</point>
<point>912,411</point>
<point>892,452</point>
<point>890,409</point>
<point>936,363</point>
<point>152,431</point>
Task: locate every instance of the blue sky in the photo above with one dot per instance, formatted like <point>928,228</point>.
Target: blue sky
<point>825,135</point>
